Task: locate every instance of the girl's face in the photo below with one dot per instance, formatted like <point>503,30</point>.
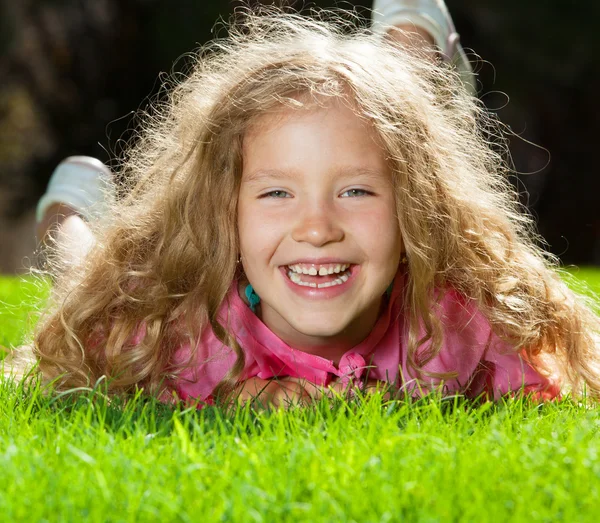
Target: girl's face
<point>318,231</point>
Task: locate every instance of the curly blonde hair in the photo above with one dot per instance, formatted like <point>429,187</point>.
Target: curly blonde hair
<point>166,256</point>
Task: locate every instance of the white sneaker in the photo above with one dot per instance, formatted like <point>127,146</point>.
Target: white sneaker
<point>81,182</point>
<point>433,17</point>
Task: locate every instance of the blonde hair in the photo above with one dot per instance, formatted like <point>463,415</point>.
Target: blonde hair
<point>167,256</point>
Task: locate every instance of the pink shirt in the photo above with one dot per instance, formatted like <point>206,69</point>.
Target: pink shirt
<point>484,363</point>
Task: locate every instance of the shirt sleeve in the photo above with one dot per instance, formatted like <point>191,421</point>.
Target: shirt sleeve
<point>484,363</point>
<point>503,373</point>
<point>200,373</point>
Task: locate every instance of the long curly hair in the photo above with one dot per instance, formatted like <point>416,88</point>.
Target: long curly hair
<point>166,255</point>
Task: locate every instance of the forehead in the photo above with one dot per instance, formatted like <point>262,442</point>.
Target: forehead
<point>313,144</point>
<point>329,131</point>
<point>300,105</point>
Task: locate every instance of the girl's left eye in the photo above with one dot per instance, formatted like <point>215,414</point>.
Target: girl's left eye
<point>350,193</point>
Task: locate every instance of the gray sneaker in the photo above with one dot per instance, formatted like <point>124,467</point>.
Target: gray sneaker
<point>81,182</point>
<point>433,17</point>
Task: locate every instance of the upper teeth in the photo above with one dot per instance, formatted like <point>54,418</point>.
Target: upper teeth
<point>321,270</point>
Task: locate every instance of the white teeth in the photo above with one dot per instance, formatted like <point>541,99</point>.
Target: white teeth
<point>294,277</point>
<point>295,271</point>
<point>321,270</point>
<point>329,284</point>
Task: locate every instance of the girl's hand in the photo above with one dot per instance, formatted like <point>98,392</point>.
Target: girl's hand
<point>277,392</point>
<point>373,386</point>
<point>370,387</point>
<point>290,391</point>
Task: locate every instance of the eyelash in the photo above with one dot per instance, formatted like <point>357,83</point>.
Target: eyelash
<point>363,191</point>
<point>271,194</point>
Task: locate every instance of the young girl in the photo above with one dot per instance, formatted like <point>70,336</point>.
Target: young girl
<point>316,210</point>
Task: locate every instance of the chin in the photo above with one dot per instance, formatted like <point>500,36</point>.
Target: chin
<point>321,328</point>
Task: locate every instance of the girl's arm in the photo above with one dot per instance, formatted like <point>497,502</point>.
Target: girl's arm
<point>290,391</point>
<point>509,374</point>
<point>276,392</point>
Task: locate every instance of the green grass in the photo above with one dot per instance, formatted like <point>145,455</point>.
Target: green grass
<point>79,457</point>
<point>20,299</point>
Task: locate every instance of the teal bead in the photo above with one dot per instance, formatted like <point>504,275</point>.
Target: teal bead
<point>253,298</point>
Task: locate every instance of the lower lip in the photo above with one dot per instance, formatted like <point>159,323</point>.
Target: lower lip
<point>324,293</point>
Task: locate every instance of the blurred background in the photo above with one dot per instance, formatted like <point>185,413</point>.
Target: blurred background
<point>72,72</point>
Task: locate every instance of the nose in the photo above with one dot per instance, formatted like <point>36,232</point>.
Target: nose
<point>318,226</point>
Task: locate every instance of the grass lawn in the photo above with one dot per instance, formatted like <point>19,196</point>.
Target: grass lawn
<point>79,458</point>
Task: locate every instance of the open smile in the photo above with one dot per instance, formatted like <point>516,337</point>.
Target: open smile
<point>319,278</point>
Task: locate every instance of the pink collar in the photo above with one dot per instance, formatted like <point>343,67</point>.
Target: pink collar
<point>257,338</point>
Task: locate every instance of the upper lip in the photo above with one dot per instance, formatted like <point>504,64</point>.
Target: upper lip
<point>318,261</point>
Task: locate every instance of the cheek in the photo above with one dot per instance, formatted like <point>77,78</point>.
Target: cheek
<point>241,225</point>
<point>258,231</point>
<point>378,232</point>
<point>248,234</point>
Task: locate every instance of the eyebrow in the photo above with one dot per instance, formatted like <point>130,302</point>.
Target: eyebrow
<point>265,174</point>
<point>290,174</point>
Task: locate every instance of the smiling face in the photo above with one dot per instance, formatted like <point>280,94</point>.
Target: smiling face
<point>318,231</point>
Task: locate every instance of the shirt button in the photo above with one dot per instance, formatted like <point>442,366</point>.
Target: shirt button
<point>352,367</point>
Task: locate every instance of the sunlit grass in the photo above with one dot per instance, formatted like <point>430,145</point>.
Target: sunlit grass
<point>21,299</point>
<point>81,457</point>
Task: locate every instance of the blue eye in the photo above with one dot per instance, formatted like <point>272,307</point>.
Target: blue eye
<point>276,194</point>
<point>353,193</point>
